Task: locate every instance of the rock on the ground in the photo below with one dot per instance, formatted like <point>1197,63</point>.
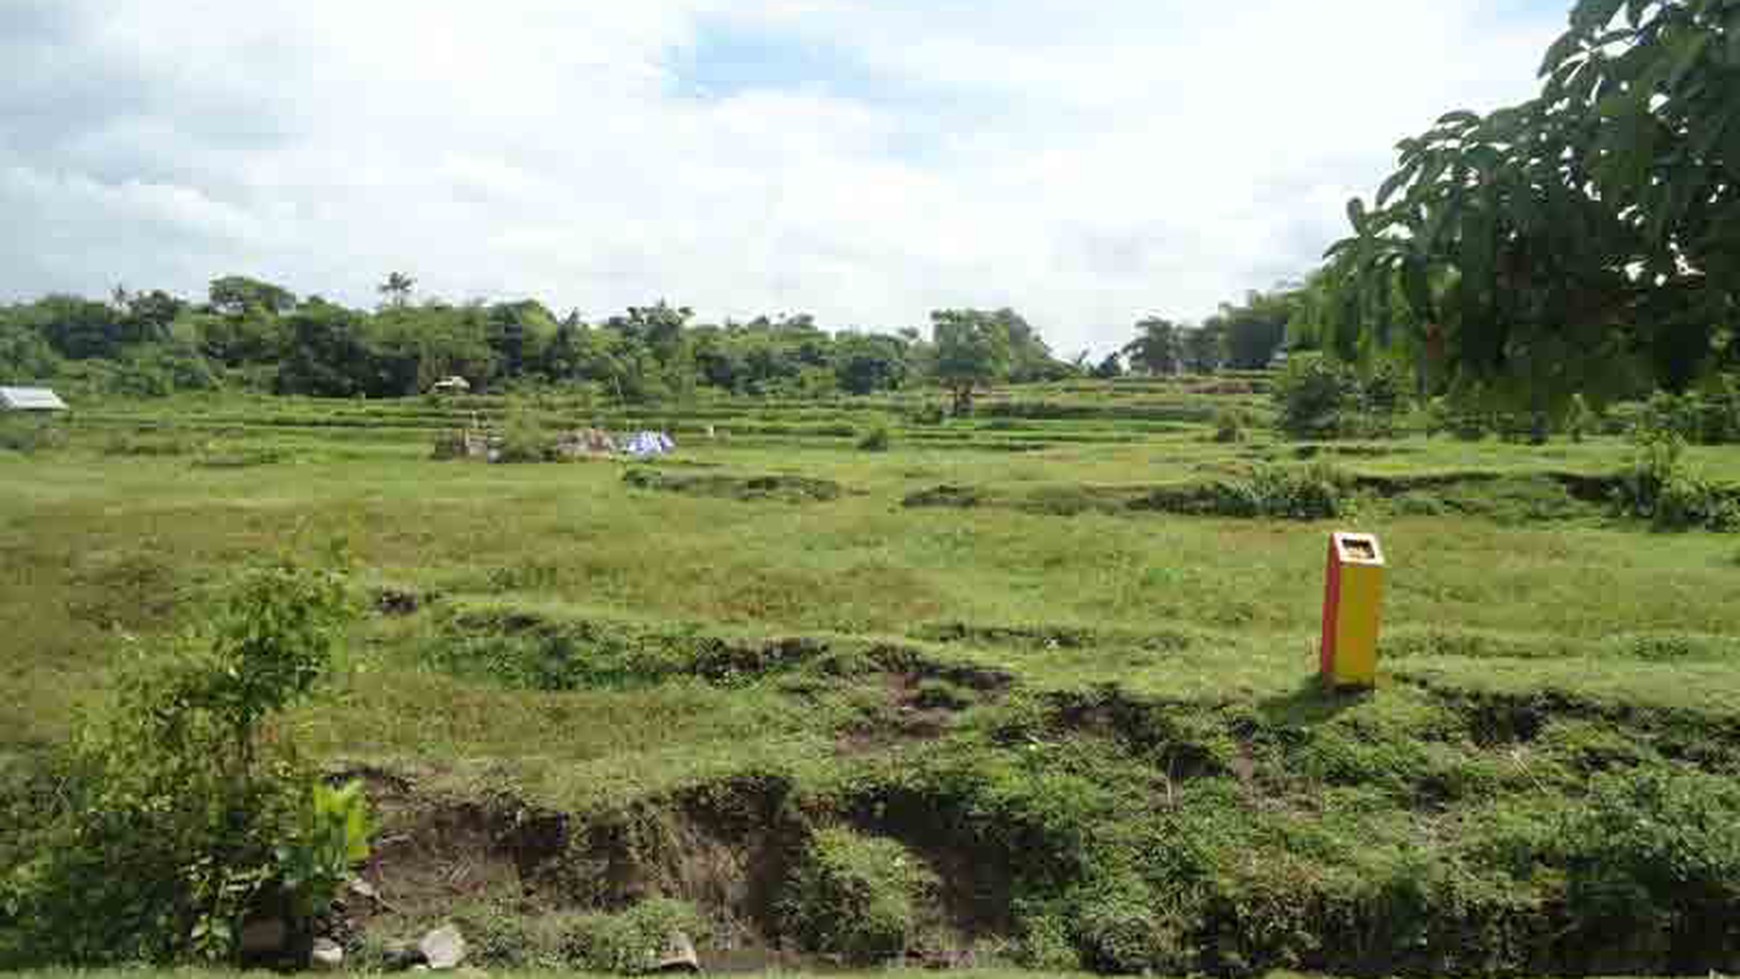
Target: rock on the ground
<point>443,948</point>
<point>265,936</point>
<point>677,955</point>
<point>326,956</point>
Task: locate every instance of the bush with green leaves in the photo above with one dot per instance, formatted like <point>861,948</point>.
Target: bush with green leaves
<point>524,440</point>
<point>1123,928</point>
<point>1656,486</point>
<point>1315,492</point>
<point>1315,395</point>
<point>1657,849</point>
<point>1230,425</point>
<point>1705,417</point>
<point>626,943</point>
<point>875,440</point>
<point>185,810</point>
<point>30,435</point>
<point>856,896</point>
<point>1319,397</point>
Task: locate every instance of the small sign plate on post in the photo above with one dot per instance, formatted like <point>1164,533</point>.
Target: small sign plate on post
<point>1353,597</point>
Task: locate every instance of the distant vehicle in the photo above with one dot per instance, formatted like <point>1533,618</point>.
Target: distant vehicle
<point>30,399</point>
<point>1278,361</point>
<point>451,385</point>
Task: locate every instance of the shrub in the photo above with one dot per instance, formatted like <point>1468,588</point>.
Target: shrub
<point>497,936</point>
<point>524,440</point>
<point>450,443</point>
<point>1316,492</point>
<point>855,896</point>
<point>1655,486</point>
<point>1313,493</point>
<point>875,440</point>
<point>30,435</point>
<point>1382,397</point>
<point>1314,396</point>
<point>927,414</point>
<point>1046,945</point>
<point>182,813</point>
<point>625,943</point>
<point>1657,850</point>
<point>1230,425</point>
<point>1122,929</point>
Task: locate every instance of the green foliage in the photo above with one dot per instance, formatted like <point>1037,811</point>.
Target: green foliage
<point>1657,487</point>
<point>1318,397</point>
<point>875,439</point>
<point>239,295</point>
<point>1710,417</point>
<point>30,435</point>
<point>1122,928</point>
<point>972,350</point>
<point>1255,329</point>
<point>1158,347</point>
<point>1654,851</point>
<point>1551,248</point>
<point>523,439</point>
<point>25,354</point>
<point>1316,492</point>
<point>178,814</point>
<point>330,838</point>
<point>1230,425</point>
<point>855,896</point>
<point>626,943</point>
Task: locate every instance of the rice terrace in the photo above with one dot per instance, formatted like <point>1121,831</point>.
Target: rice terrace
<point>413,635</point>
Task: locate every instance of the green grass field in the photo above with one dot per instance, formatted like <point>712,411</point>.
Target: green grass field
<point>1091,720</point>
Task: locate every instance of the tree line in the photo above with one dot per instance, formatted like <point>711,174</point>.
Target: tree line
<point>258,335</point>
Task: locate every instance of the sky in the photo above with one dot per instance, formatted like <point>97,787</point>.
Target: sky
<point>1087,162</point>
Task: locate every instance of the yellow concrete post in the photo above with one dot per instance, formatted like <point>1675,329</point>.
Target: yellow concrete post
<point>1353,598</point>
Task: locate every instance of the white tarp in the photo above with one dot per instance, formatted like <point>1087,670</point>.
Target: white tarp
<point>644,444</point>
<point>30,399</point>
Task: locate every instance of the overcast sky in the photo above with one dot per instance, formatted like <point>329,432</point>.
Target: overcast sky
<point>1085,161</point>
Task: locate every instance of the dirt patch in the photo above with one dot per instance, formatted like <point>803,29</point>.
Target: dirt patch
<point>1042,637</point>
<point>769,488</point>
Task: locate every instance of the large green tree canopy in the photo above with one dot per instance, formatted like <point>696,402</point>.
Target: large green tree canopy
<point>1560,246</point>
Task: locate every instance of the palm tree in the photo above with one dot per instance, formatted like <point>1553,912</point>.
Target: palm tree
<point>397,289</point>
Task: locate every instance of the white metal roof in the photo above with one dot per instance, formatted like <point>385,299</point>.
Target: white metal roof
<point>31,399</point>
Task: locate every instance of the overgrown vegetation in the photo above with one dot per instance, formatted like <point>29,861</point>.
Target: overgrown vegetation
<point>856,897</point>
<point>186,809</point>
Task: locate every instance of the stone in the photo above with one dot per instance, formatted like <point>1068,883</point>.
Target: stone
<point>363,889</point>
<point>677,955</point>
<point>443,948</point>
<point>264,936</point>
<point>326,956</point>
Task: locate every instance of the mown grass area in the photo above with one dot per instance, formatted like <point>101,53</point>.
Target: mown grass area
<point>1093,724</point>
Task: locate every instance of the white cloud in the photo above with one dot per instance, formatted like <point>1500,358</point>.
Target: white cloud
<point>1084,162</point>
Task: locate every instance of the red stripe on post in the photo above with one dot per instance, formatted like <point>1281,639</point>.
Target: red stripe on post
<point>1331,610</point>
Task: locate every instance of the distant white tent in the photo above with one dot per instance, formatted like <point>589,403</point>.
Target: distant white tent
<point>30,399</point>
